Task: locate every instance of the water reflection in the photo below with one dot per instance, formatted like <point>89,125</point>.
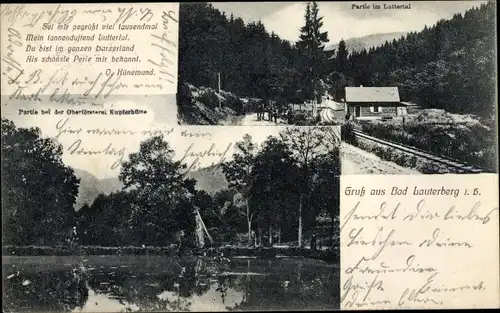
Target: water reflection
<point>149,283</point>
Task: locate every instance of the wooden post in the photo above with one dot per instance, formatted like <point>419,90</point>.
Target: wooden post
<point>199,231</point>
<point>279,235</point>
<point>204,227</point>
<point>218,83</point>
<point>270,235</point>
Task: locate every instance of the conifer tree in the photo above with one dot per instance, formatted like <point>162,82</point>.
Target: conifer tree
<point>312,48</point>
<point>341,58</point>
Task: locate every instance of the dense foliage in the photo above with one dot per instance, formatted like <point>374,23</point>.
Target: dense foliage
<point>251,62</point>
<point>288,183</point>
<point>38,190</point>
<point>156,204</point>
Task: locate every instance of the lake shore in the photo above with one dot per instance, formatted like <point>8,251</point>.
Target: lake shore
<point>330,256</point>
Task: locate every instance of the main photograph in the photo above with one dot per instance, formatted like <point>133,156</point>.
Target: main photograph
<point>191,219</point>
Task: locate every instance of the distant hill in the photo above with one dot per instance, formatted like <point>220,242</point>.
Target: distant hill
<point>366,42</point>
<point>91,186</point>
<point>210,179</point>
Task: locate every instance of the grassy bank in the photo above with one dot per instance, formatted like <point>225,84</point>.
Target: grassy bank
<point>401,158</point>
<point>86,250</point>
<point>472,143</point>
<point>331,256</point>
<point>206,106</point>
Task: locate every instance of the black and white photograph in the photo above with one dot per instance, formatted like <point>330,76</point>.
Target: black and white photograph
<point>202,171</point>
<point>117,214</point>
<point>236,67</point>
<point>425,102</point>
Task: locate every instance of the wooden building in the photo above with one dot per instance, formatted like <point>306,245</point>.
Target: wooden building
<point>372,102</point>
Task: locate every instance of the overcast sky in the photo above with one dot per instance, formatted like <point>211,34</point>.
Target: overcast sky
<point>162,115</point>
<point>343,22</point>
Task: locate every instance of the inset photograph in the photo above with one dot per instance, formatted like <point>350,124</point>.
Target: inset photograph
<point>252,64</point>
<point>425,103</point>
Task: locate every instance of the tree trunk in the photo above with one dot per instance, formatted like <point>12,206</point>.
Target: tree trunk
<point>332,232</point>
<point>279,235</point>
<point>247,285</point>
<point>249,232</point>
<point>249,221</point>
<point>300,222</point>
<point>199,233</point>
<point>270,235</point>
<point>299,271</point>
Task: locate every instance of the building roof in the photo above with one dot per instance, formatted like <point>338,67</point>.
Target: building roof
<point>409,104</point>
<point>372,94</point>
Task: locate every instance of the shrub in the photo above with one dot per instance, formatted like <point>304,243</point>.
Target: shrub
<point>236,104</point>
<point>429,168</point>
<point>209,98</point>
<point>184,96</point>
<point>347,133</point>
<point>299,118</point>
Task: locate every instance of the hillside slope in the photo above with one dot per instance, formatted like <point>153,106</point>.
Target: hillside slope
<point>207,106</point>
<point>91,186</point>
<point>357,44</point>
<point>210,179</point>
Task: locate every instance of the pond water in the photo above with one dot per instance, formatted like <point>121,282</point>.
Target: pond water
<point>160,283</point>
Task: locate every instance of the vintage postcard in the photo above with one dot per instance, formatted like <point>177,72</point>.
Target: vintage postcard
<point>249,156</point>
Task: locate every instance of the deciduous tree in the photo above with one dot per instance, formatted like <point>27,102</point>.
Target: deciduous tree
<point>238,173</point>
<point>38,190</point>
<point>308,146</point>
<point>163,205</point>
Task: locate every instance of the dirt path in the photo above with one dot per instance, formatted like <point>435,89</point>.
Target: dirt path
<point>358,161</point>
<point>251,120</point>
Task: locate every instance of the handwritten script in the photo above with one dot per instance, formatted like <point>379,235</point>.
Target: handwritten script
<point>419,241</point>
<point>195,147</point>
<point>76,54</point>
